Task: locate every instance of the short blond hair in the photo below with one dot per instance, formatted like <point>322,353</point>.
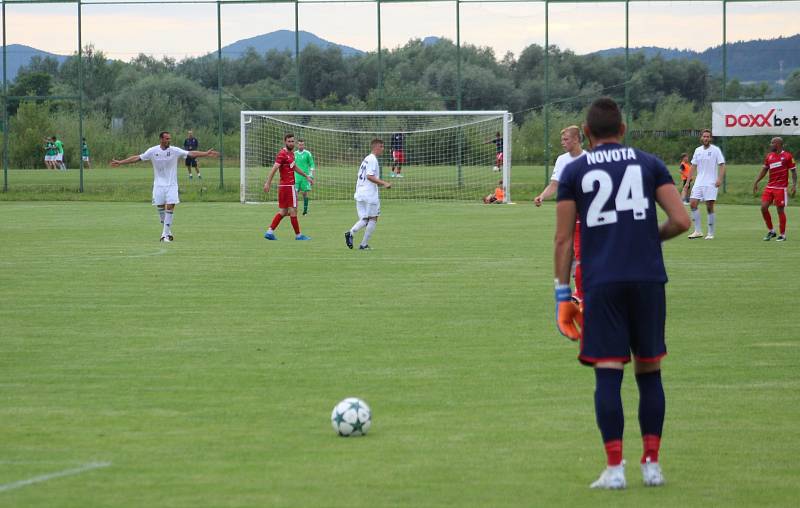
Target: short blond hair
<point>574,130</point>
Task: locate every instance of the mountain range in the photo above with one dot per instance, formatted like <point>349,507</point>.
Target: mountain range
<point>748,61</point>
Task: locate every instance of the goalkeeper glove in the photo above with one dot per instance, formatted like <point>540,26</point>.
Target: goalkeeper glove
<point>569,315</point>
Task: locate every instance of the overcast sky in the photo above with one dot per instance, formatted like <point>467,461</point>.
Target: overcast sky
<point>123,31</point>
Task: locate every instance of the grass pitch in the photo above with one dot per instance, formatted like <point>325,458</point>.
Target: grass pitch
<point>205,370</point>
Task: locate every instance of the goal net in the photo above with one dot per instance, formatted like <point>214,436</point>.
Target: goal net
<point>446,155</point>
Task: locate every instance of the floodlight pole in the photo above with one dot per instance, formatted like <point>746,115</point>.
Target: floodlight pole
<point>380,60</point>
<point>80,93</point>
<point>724,78</point>
<point>546,91</point>
<point>219,95</point>
<point>627,72</point>
<point>458,94</point>
<point>297,54</point>
<point>5,106</point>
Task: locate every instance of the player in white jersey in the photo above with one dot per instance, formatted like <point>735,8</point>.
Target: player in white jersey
<point>571,142</point>
<point>165,177</point>
<point>368,202</point>
<point>708,164</point>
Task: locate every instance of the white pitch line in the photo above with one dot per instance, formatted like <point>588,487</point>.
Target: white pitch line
<point>50,476</point>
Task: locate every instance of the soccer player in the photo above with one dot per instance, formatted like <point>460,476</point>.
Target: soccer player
<point>498,143</point>
<point>287,195</point>
<point>368,203</point>
<point>686,171</point>
<point>85,154</point>
<point>165,177</point>
<point>49,153</point>
<point>305,161</point>
<point>706,161</point>
<point>59,160</point>
<point>398,154</point>
<point>571,142</point>
<point>189,144</point>
<point>497,196</point>
<point>778,162</point>
<point>615,188</point>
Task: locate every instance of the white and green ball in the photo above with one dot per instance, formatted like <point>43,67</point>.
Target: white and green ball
<point>351,417</point>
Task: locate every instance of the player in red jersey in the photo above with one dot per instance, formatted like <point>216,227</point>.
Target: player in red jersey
<point>287,195</point>
<point>778,162</point>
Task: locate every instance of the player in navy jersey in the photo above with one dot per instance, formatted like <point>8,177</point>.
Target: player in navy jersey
<point>614,189</point>
<point>189,144</point>
<point>398,154</point>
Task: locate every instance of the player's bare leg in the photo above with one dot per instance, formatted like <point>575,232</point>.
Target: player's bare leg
<point>711,219</point>
<point>197,170</point>
<point>698,231</point>
<point>652,407</point>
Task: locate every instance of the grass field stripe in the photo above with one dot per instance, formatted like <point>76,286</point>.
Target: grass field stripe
<point>50,476</point>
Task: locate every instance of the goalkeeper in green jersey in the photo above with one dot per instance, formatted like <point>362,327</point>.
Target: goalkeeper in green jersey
<point>305,161</point>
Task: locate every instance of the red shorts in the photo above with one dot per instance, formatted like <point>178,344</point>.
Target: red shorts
<point>287,196</point>
<point>399,156</point>
<point>576,241</point>
<point>499,159</point>
<point>777,196</point>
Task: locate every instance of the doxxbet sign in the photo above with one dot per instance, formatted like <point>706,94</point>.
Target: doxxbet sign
<point>754,118</point>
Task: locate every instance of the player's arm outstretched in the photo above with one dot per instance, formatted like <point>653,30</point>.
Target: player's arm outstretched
<point>677,218</point>
<point>195,154</point>
<point>548,191</point>
<point>130,160</point>
<point>568,314</point>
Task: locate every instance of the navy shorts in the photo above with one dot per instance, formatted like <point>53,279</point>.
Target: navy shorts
<point>191,162</point>
<point>624,318</point>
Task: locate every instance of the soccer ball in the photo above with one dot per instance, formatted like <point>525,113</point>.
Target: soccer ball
<point>495,168</point>
<point>351,417</point>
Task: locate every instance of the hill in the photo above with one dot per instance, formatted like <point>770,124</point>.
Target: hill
<point>282,40</point>
<point>18,55</point>
<point>770,60</point>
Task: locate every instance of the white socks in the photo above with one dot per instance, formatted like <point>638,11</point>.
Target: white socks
<point>368,233</point>
<point>161,213</point>
<point>358,226</point>
<point>696,219</point>
<point>167,223</point>
<point>711,222</point>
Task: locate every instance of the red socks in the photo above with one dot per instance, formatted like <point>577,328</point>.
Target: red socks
<point>782,220</point>
<point>614,452</point>
<point>295,225</point>
<point>768,218</point>
<point>651,445</point>
<point>276,221</point>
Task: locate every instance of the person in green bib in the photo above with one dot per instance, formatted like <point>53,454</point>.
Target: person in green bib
<point>59,154</point>
<point>49,153</point>
<point>305,161</point>
<point>85,154</point>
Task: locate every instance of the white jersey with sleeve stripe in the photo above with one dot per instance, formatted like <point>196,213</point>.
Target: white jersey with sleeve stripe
<point>366,190</point>
<point>561,163</point>
<point>707,161</point>
<point>165,164</point>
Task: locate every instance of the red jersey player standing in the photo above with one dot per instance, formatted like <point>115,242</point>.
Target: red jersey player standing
<point>287,195</point>
<point>778,162</point>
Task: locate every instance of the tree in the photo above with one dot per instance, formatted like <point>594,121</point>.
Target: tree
<point>792,86</point>
<point>29,83</point>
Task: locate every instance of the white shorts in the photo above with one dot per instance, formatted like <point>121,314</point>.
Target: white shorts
<point>704,192</point>
<point>165,195</point>
<point>48,158</point>
<point>59,157</point>
<point>85,159</point>
<point>365,209</point>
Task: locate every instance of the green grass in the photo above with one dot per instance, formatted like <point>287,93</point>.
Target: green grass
<point>205,370</point>
<point>135,183</point>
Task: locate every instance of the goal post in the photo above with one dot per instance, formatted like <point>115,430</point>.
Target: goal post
<point>429,155</point>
